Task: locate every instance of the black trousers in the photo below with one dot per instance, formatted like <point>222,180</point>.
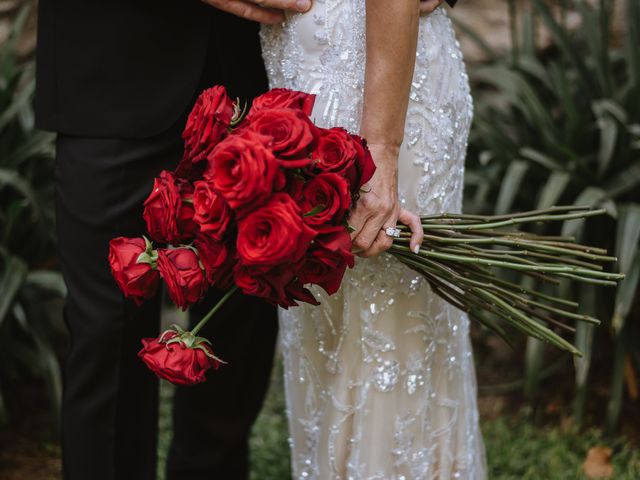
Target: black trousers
<point>110,400</point>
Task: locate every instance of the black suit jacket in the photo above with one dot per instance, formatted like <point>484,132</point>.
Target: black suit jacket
<point>131,68</point>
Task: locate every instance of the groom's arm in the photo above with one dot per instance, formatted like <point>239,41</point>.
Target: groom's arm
<point>263,11</point>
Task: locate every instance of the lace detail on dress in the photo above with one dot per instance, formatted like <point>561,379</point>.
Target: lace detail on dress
<point>379,379</point>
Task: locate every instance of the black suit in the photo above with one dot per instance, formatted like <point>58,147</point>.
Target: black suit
<point>116,79</point>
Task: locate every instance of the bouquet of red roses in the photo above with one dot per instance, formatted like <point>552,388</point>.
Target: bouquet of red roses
<point>259,202</point>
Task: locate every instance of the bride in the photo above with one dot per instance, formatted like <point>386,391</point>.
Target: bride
<point>380,379</point>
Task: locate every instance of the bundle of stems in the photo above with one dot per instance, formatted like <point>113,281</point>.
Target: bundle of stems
<point>464,259</point>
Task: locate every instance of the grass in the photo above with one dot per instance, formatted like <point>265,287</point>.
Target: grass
<point>517,447</point>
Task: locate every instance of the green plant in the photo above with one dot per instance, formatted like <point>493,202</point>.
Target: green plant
<point>30,291</point>
<point>562,125</point>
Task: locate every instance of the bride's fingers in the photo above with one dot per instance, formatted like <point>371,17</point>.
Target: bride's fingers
<point>367,235</point>
<point>417,233</point>
<point>381,244</point>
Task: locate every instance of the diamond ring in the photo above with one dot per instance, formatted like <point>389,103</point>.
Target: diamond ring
<point>392,232</point>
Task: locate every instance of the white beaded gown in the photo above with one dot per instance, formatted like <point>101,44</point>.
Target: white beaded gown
<point>379,378</point>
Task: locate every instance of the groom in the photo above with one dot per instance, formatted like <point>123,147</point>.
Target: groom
<point>116,80</point>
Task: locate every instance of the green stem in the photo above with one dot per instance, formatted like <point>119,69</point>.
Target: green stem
<point>213,311</point>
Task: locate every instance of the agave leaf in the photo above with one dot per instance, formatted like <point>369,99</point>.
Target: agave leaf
<point>47,280</point>
<point>50,368</point>
<point>628,235</point>
<point>478,40</point>
<point>534,353</point>
<point>626,294</point>
<point>21,99</point>
<point>584,342</point>
<point>591,197</point>
<point>510,186</point>
<point>567,46</point>
<point>627,248</point>
<point>632,17</point>
<point>617,383</point>
<point>13,275</point>
<point>13,179</point>
<point>37,144</point>
<point>608,138</point>
<point>553,189</point>
<point>624,181</point>
<point>532,66</point>
<point>540,158</point>
<point>528,42</point>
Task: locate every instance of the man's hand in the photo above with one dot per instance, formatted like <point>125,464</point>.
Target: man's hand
<point>262,11</point>
<point>427,7</point>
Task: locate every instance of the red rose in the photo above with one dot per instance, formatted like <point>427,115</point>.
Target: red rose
<point>337,240</point>
<point>284,98</point>
<point>364,161</point>
<point>180,268</point>
<point>243,170</point>
<point>344,154</point>
<point>138,281</point>
<point>278,286</point>
<point>325,200</point>
<point>274,233</point>
<point>211,211</point>
<point>175,361</point>
<point>323,267</point>
<point>208,124</point>
<point>252,281</point>
<point>168,211</point>
<point>293,135</point>
<point>217,260</point>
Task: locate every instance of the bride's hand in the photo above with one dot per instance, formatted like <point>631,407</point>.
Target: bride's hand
<point>378,207</point>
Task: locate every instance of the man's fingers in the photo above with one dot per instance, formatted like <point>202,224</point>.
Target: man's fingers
<point>248,10</point>
<point>292,5</point>
<point>417,232</point>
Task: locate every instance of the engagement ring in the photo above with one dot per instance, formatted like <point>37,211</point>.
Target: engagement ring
<point>392,232</point>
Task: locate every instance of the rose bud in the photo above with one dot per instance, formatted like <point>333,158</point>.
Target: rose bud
<point>322,267</point>
<point>243,170</point>
<point>293,135</point>
<point>182,272</point>
<point>345,155</point>
<point>325,200</point>
<point>132,266</point>
<point>283,98</point>
<point>180,359</point>
<point>274,233</point>
<point>218,261</point>
<point>208,124</point>
<point>168,210</point>
<point>211,211</point>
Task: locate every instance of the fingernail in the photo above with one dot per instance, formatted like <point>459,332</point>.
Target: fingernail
<point>303,5</point>
<point>416,249</point>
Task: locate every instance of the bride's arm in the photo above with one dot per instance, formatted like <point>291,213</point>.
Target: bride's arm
<point>392,33</point>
